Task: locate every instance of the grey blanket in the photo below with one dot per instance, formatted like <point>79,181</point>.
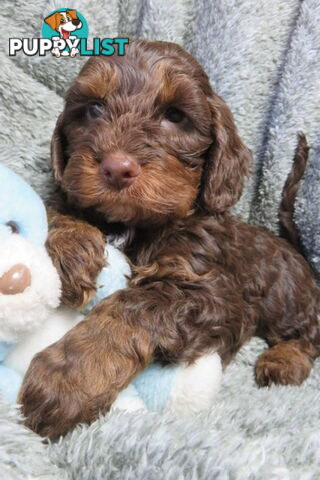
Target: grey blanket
<point>263,57</point>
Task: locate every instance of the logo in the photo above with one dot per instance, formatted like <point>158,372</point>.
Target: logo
<point>65,34</point>
<point>70,26</point>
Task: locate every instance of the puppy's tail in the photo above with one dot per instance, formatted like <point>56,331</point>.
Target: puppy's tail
<point>288,229</point>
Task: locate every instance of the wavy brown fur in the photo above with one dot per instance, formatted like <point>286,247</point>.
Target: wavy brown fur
<point>202,279</point>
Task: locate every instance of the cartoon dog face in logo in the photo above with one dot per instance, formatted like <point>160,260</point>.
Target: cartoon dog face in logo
<point>64,22</point>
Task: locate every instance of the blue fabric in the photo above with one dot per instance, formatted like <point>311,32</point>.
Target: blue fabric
<point>4,350</point>
<point>113,277</point>
<point>10,382</point>
<point>155,384</point>
<point>21,204</point>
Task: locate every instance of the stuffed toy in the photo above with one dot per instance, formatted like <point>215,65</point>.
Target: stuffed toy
<point>31,318</point>
<point>29,283</point>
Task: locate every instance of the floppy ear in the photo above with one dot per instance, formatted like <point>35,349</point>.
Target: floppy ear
<point>53,20</point>
<point>72,13</point>
<point>227,163</point>
<point>58,147</point>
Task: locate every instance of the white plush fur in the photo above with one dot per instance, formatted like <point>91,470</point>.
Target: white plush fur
<point>52,329</point>
<point>196,385</point>
<point>49,325</point>
<point>23,312</point>
<point>129,401</point>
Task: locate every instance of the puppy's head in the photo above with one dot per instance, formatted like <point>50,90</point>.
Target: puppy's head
<point>143,138</point>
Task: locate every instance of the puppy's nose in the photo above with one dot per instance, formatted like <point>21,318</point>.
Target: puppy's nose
<point>119,170</point>
<point>76,21</point>
<point>15,280</point>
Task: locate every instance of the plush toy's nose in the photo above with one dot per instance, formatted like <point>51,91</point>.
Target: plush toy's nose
<point>15,280</point>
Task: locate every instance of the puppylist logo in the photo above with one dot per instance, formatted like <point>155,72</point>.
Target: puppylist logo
<point>65,34</point>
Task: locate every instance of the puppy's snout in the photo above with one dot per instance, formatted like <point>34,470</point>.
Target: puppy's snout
<point>15,280</point>
<point>119,170</point>
<point>76,21</point>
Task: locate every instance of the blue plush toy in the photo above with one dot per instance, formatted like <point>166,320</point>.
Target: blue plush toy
<point>29,284</point>
<point>30,319</point>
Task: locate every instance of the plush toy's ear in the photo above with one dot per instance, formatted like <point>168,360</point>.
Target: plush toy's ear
<point>227,162</point>
<point>72,13</point>
<point>58,147</point>
<point>53,20</point>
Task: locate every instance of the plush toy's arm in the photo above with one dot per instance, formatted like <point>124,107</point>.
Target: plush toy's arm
<point>77,251</point>
<point>182,390</point>
<point>10,382</point>
<point>114,276</point>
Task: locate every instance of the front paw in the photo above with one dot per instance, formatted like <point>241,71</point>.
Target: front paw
<point>60,391</point>
<point>77,252</point>
<point>80,376</point>
<point>49,404</point>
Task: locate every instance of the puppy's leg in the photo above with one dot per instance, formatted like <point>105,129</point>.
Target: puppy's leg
<point>79,376</point>
<point>288,321</point>
<point>82,374</point>
<point>287,363</point>
<point>77,251</point>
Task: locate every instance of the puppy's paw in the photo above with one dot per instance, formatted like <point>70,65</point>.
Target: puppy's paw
<point>53,402</point>
<point>76,378</point>
<point>77,251</point>
<point>283,364</point>
<point>65,385</point>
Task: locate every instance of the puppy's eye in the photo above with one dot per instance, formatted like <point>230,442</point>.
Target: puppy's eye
<point>13,226</point>
<point>174,115</point>
<point>63,20</point>
<point>96,109</point>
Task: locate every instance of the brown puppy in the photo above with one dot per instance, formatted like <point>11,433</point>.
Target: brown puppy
<point>145,148</point>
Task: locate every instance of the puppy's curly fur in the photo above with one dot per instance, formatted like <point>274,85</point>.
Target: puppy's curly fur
<point>202,279</point>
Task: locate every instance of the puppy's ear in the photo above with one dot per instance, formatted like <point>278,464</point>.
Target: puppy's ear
<point>53,20</point>
<point>227,163</point>
<point>72,13</point>
<point>58,147</point>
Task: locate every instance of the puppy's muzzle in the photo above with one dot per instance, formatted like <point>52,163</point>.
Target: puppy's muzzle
<point>119,170</point>
<point>15,280</point>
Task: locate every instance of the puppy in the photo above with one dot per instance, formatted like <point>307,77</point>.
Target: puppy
<point>145,150</point>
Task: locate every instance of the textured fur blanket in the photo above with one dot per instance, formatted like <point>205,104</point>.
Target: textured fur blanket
<point>263,57</point>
